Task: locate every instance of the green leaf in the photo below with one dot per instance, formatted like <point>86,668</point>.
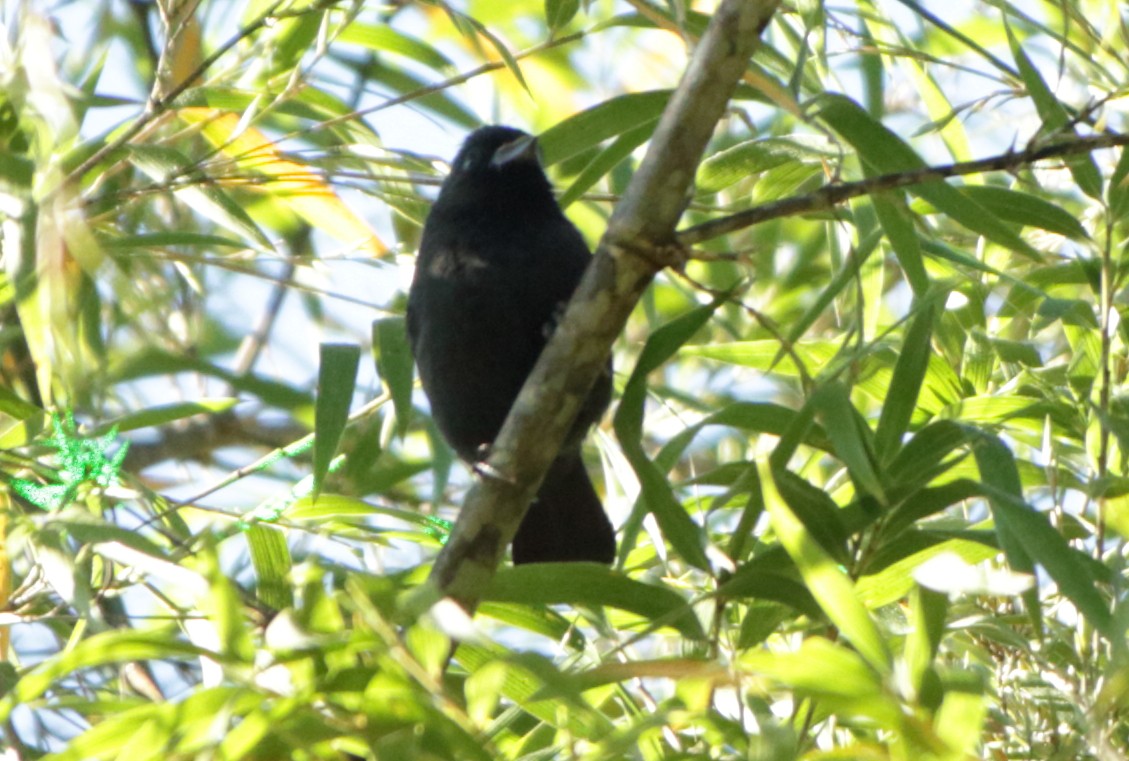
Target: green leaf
<point>350,510</point>
<point>270,557</point>
<point>1055,118</point>
<point>152,362</point>
<point>593,584</point>
<point>895,580</point>
<point>679,530</point>
<point>337,378</point>
<point>830,586</point>
<point>293,37</point>
<point>850,436</point>
<point>924,451</point>
<point>167,238</point>
<point>765,354</point>
<point>883,152</point>
<point>998,471</point>
<point>1017,352</point>
<point>170,167</point>
<point>834,676</point>
<point>119,646</point>
<point>1028,536</point>
<point>544,621</point>
<point>753,417</point>
<point>168,413</point>
<point>469,22</point>
<point>532,682</point>
<point>817,511</point>
<point>394,363</point>
<point>383,38</point>
<point>13,405</point>
<point>1027,210</point>
<point>909,373</point>
<point>897,223</point>
<point>224,608</point>
<point>605,161</point>
<point>589,128</point>
<point>559,12</point>
<point>927,617</point>
<point>421,93</point>
<point>846,278</point>
<point>741,161</point>
<point>753,580</point>
<point>1119,187</point>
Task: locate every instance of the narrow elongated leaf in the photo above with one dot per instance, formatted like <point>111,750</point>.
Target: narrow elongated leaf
<point>302,189</point>
<point>394,363</point>
<point>166,165</point>
<point>928,502</point>
<point>383,37</point>
<point>928,610</point>
<point>834,676</point>
<point>118,646</point>
<point>928,447</point>
<point>271,560</point>
<point>909,373</point>
<point>609,119</point>
<point>531,682</point>
<point>883,152</point>
<point>559,12</point>
<point>752,580</point>
<point>897,223</point>
<point>12,405</point>
<point>1055,117</point>
<point>765,354</point>
<point>738,162</point>
<point>817,511</point>
<point>849,436</point>
<point>337,377</point>
<point>1027,210</point>
<point>664,668</point>
<point>677,527</point>
<point>168,413</point>
<point>167,238</point>
<point>846,277</point>
<point>152,362</point>
<point>593,584</point>
<point>753,417</point>
<point>830,586</point>
<point>1029,536</point>
<point>894,581</point>
<point>606,160</point>
<point>1119,187</point>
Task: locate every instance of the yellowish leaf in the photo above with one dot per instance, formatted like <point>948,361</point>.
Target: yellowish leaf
<point>305,191</point>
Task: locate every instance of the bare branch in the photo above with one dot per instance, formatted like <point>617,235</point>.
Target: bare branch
<point>830,196</point>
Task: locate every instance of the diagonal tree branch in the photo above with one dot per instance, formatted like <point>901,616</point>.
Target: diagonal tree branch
<point>830,196</point>
<point>639,242</point>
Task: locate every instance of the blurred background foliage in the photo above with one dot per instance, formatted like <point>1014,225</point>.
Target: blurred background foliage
<point>868,463</point>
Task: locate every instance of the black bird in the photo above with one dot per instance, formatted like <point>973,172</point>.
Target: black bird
<point>497,263</point>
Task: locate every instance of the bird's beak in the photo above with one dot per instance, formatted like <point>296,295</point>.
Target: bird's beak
<point>522,149</point>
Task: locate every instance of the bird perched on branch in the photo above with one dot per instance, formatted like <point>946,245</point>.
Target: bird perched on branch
<point>497,263</point>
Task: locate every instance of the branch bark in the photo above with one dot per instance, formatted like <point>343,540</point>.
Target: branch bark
<point>830,196</point>
<point>639,242</point>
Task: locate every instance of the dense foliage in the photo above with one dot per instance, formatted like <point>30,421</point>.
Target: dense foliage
<point>868,458</point>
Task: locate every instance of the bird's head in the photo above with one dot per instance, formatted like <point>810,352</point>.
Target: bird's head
<point>497,149</point>
<point>498,170</point>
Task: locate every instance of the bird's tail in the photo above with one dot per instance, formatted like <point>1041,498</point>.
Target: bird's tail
<point>566,522</point>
